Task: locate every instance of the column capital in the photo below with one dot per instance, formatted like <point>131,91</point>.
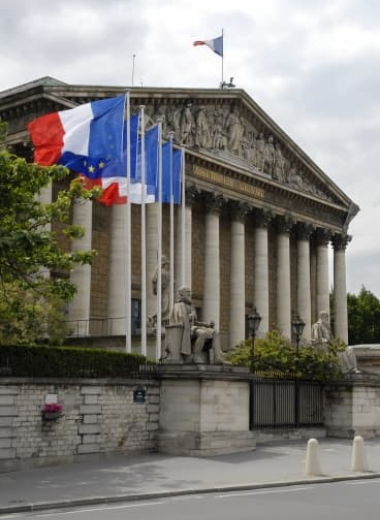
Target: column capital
<point>284,224</point>
<point>304,230</point>
<point>239,210</point>
<point>341,241</point>
<point>215,202</point>
<point>262,217</point>
<point>191,195</point>
<point>323,236</point>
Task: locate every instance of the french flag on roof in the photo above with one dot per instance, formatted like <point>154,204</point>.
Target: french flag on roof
<point>215,45</point>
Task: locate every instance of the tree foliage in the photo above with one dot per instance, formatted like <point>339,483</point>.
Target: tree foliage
<point>34,269</point>
<point>363,318</point>
<point>274,354</point>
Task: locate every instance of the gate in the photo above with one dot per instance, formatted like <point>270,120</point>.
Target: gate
<point>285,403</point>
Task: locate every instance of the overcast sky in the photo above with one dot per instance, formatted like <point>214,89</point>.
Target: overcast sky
<point>312,65</point>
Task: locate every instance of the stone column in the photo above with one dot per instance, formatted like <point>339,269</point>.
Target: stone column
<point>116,280</point>
<point>340,293</point>
<point>323,297</point>
<point>261,269</point>
<point>304,232</point>
<point>79,308</point>
<point>211,293</point>
<point>237,274</point>
<point>180,277</point>
<point>284,318</point>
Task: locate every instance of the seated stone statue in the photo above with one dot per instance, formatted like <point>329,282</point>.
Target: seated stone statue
<point>321,335</point>
<point>184,313</point>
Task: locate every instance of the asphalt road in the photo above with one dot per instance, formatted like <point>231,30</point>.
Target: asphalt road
<point>349,500</point>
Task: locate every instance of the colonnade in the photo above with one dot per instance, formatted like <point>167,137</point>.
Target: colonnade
<point>241,216</point>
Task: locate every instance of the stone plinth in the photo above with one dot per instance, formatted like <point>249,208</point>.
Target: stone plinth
<point>368,358</point>
<point>204,410</point>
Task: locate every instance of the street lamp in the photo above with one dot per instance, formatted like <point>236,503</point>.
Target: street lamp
<point>253,324</point>
<point>298,325</point>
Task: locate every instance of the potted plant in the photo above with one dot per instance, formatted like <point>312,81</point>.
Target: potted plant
<point>51,411</point>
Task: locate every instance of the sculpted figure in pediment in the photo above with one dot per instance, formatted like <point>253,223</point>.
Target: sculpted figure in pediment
<point>279,164</point>
<point>269,153</point>
<point>260,152</point>
<point>202,132</point>
<point>187,123</point>
<point>234,129</point>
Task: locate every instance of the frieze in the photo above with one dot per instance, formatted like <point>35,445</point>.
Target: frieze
<point>225,181</point>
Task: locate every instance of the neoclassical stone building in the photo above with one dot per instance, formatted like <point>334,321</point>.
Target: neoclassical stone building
<point>260,216</point>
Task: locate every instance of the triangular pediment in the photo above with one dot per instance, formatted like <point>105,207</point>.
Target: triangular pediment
<point>224,124</point>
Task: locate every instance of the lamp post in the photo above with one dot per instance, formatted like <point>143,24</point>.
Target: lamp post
<point>254,320</point>
<point>298,325</point>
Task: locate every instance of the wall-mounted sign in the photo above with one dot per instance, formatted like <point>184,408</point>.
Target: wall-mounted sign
<point>139,395</point>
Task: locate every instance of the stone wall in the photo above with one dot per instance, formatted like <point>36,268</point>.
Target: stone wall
<point>99,416</point>
<point>353,408</point>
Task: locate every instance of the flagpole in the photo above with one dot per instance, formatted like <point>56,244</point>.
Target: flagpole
<point>159,249</point>
<point>171,284</point>
<point>183,217</point>
<point>222,55</point>
<point>128,260</point>
<point>143,236</point>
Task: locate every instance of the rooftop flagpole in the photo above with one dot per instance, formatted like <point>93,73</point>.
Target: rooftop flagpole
<point>222,56</point>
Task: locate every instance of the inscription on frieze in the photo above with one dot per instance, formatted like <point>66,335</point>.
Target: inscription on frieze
<point>228,182</point>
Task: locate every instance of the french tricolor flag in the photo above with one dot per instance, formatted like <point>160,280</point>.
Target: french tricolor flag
<point>215,45</point>
<point>87,139</point>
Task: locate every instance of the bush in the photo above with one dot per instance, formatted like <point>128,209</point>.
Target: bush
<point>45,361</point>
<point>274,354</point>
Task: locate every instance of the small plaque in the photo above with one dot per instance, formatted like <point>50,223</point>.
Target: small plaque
<point>139,395</point>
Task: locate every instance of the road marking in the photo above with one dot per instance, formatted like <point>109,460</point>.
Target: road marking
<point>77,511</point>
<point>265,492</point>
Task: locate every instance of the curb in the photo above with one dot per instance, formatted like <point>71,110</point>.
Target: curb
<point>98,500</point>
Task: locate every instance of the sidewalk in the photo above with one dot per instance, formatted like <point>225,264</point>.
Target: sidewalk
<point>146,476</point>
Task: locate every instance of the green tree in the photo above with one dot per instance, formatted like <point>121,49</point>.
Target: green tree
<point>34,269</point>
<point>363,318</point>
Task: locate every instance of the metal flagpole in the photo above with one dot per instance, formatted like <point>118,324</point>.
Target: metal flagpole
<point>128,242</point>
<point>222,56</point>
<point>159,248</point>
<point>171,284</point>
<point>183,217</point>
<point>143,236</point>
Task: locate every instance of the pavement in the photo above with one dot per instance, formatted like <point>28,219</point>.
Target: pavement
<point>136,477</point>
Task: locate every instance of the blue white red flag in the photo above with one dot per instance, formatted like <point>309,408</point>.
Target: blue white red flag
<point>91,130</point>
<point>216,45</point>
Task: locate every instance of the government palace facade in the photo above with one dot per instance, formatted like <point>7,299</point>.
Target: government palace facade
<point>260,217</point>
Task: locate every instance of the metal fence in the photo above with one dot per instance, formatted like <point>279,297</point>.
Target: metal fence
<point>284,403</point>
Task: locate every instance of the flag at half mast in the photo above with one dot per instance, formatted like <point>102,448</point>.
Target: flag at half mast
<point>216,44</point>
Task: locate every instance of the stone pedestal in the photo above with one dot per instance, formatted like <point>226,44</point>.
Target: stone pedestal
<point>204,410</point>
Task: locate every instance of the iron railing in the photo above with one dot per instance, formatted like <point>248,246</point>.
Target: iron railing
<point>285,403</point>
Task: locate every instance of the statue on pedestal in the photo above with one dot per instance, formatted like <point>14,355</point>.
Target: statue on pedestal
<point>196,335</point>
<point>321,335</point>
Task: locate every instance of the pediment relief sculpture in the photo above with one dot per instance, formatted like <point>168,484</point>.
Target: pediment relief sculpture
<point>221,130</point>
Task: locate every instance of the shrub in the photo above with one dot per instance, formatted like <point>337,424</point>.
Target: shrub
<point>274,354</point>
<point>45,361</point>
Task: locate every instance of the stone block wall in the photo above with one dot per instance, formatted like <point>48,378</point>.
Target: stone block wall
<point>353,408</point>
<point>98,417</point>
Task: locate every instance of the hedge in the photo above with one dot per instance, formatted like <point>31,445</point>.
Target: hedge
<point>46,361</point>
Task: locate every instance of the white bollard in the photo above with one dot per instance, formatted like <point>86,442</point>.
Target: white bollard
<point>313,462</point>
<point>359,458</point>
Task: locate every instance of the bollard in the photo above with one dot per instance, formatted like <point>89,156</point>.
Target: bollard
<point>358,459</point>
<point>313,462</point>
